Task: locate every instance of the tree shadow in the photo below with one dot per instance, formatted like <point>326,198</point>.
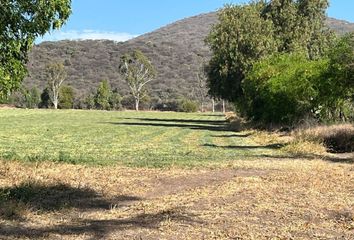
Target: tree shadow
<point>334,159</point>
<point>46,198</point>
<point>271,146</point>
<point>220,128</point>
<point>233,135</point>
<point>189,121</point>
<point>212,115</point>
<point>98,229</point>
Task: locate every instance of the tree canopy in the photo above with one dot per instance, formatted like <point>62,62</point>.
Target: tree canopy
<point>21,22</point>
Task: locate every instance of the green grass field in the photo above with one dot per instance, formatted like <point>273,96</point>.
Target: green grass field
<point>151,139</point>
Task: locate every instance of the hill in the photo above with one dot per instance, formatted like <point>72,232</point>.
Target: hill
<point>177,50</point>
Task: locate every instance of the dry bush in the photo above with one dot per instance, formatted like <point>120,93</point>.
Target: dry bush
<point>236,123</point>
<point>336,138</point>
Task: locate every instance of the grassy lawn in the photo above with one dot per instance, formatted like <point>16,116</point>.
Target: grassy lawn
<point>129,138</point>
<point>254,191</point>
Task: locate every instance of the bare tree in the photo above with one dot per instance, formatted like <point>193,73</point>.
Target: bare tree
<point>201,89</point>
<point>137,71</point>
<point>56,75</point>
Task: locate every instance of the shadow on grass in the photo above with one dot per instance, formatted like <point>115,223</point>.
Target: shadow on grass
<point>272,146</point>
<point>98,229</point>
<point>188,121</point>
<point>233,135</point>
<point>221,128</point>
<point>210,125</point>
<point>41,197</point>
<point>349,159</point>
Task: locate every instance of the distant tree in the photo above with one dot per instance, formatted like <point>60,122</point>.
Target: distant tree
<point>103,96</point>
<point>21,22</point>
<point>137,71</point>
<point>66,97</point>
<point>201,89</point>
<point>90,102</point>
<point>115,100</point>
<point>34,98</point>
<point>56,75</point>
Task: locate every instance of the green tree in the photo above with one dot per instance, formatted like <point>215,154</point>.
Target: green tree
<point>66,97</point>
<point>240,38</point>
<point>103,96</point>
<point>56,75</point>
<point>137,71</point>
<point>21,22</point>
<point>248,33</point>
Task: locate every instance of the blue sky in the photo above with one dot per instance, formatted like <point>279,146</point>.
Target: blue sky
<point>121,20</point>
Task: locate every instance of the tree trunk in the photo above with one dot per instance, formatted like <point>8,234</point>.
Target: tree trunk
<point>55,100</point>
<point>202,106</point>
<point>223,106</point>
<point>137,104</point>
<point>55,103</point>
<point>213,104</point>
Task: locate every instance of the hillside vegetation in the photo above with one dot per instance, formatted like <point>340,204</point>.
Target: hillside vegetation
<point>176,50</point>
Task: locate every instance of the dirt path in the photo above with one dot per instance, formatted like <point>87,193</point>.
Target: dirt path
<point>173,185</point>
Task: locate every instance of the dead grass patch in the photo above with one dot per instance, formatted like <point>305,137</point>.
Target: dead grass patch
<point>336,138</point>
<point>260,199</point>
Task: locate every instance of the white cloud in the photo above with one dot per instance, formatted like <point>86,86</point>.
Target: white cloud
<point>86,35</point>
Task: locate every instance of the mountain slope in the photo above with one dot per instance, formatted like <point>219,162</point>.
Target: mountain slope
<point>177,51</point>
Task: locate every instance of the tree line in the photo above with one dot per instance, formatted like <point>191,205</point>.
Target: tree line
<point>279,63</point>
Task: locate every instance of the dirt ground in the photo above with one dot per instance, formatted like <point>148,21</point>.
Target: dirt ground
<point>260,199</point>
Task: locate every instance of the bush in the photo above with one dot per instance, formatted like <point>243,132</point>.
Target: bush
<point>186,105</point>
<point>66,97</point>
<point>281,89</point>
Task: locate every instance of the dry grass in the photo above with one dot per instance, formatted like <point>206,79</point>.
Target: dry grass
<point>263,199</point>
<point>336,138</point>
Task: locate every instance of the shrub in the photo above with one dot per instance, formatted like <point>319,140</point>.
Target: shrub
<point>281,89</point>
<point>186,105</point>
<point>66,97</point>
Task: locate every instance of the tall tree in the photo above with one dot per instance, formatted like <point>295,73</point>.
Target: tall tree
<point>21,22</point>
<point>56,75</point>
<point>241,37</point>
<point>137,71</point>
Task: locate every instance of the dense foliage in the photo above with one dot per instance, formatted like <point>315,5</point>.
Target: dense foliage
<point>21,21</point>
<point>282,88</point>
<point>248,33</point>
<point>287,88</point>
<point>336,87</point>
